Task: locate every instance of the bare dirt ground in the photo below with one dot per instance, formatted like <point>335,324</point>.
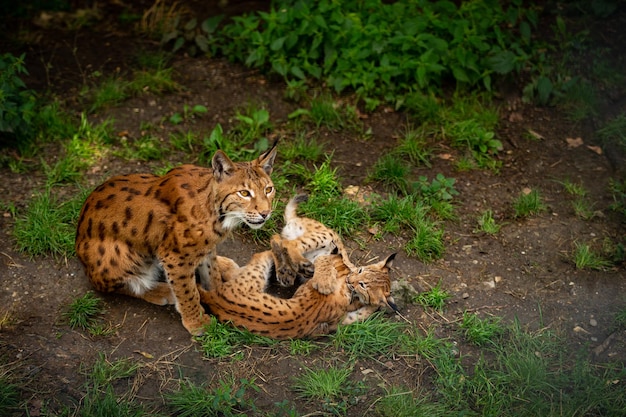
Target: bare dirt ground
<point>524,271</point>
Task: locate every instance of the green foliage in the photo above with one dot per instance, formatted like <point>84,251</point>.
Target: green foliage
<point>342,215</point>
<point>614,132</point>
<point>618,190</point>
<point>195,38</point>
<point>189,113</point>
<point>17,103</point>
<point>438,194</point>
<point>371,338</point>
<point>364,45</point>
<point>227,399</point>
<point>434,298</point>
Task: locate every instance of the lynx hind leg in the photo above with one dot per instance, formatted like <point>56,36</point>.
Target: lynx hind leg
<point>325,279</point>
<point>359,315</point>
<point>290,264</point>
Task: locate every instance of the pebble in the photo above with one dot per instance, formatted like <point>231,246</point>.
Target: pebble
<point>465,295</point>
<point>593,322</point>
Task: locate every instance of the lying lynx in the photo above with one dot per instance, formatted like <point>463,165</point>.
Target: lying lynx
<point>135,229</point>
<point>338,292</point>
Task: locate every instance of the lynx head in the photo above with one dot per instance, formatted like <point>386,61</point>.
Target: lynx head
<point>244,190</point>
<point>371,284</point>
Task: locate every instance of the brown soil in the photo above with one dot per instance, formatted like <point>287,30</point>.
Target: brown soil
<point>524,272</point>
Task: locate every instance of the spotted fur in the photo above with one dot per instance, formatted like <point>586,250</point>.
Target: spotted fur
<point>135,229</point>
<point>338,292</point>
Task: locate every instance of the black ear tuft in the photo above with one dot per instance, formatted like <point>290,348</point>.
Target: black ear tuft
<point>266,160</point>
<point>222,165</point>
<point>389,260</point>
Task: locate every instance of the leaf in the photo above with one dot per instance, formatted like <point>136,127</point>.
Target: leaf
<point>191,25</point>
<point>178,44</point>
<point>202,42</point>
<point>295,70</point>
<point>210,25</point>
<point>544,89</point>
<point>574,142</point>
<point>278,43</point>
<point>503,62</point>
<point>298,113</point>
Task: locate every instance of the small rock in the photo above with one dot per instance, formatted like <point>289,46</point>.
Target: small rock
<point>465,295</point>
<point>490,284</point>
<point>593,322</point>
<point>497,279</point>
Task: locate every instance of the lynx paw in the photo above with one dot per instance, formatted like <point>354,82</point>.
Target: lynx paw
<point>326,281</point>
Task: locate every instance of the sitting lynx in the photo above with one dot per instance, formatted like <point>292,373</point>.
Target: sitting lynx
<point>337,293</point>
<point>135,229</point>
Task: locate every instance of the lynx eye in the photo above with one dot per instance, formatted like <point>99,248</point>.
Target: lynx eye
<point>359,270</point>
<point>244,193</point>
<point>362,285</point>
<point>269,189</point>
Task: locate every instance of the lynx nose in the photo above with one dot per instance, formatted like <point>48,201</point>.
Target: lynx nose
<point>265,214</point>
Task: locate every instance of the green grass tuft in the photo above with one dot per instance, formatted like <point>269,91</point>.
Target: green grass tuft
<point>227,399</point>
<point>528,204</point>
<point>371,338</point>
<point>434,298</point>
<point>83,312</point>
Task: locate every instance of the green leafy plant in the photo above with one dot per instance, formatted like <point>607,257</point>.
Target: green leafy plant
<point>438,194</point>
<point>364,45</point>
<point>196,38</point>
<point>189,112</point>
<point>17,103</point>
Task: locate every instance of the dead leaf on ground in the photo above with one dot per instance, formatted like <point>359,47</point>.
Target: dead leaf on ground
<point>535,135</point>
<point>574,142</point>
<point>595,149</point>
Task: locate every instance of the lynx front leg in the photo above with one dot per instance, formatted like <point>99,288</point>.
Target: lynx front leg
<point>325,279</point>
<point>361,314</point>
<point>183,283</point>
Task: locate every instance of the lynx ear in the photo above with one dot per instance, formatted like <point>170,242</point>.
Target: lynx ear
<point>222,165</point>
<point>266,160</point>
<point>389,261</point>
